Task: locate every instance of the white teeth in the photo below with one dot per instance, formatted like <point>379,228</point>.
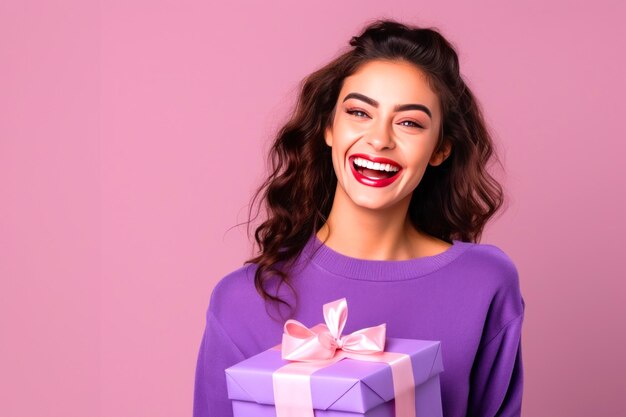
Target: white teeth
<point>375,165</point>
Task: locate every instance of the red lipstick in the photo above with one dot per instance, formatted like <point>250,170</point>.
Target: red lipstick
<point>374,182</point>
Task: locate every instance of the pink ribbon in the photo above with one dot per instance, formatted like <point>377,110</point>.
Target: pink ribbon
<point>321,346</point>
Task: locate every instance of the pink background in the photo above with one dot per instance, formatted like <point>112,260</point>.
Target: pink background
<point>132,134</point>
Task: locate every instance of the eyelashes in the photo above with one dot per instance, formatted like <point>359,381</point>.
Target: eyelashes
<point>354,112</point>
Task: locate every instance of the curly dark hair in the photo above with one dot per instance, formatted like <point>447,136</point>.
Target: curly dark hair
<point>454,199</point>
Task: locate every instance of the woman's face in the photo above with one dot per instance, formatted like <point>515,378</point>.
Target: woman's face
<point>368,126</point>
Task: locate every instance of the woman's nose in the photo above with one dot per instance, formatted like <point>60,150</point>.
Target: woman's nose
<point>380,137</point>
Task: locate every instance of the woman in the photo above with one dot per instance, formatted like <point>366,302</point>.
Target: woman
<point>379,193</point>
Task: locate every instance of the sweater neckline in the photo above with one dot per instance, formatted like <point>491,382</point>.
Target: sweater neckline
<point>379,270</point>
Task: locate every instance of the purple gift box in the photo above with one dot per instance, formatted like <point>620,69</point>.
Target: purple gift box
<point>349,387</point>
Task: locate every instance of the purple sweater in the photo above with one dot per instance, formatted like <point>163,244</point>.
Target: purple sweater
<point>467,297</point>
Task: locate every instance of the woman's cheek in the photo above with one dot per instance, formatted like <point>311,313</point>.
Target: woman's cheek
<point>354,131</point>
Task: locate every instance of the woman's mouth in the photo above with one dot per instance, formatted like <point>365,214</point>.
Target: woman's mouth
<point>374,171</point>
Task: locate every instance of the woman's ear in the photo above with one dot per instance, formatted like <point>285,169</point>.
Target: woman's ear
<point>328,132</point>
<point>328,136</point>
<point>438,157</point>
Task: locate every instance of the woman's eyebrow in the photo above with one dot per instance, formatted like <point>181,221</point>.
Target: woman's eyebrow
<point>397,108</point>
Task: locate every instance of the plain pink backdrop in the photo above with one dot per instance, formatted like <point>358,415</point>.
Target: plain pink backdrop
<point>132,134</point>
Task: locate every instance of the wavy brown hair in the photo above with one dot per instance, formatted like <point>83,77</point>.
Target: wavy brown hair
<point>454,200</point>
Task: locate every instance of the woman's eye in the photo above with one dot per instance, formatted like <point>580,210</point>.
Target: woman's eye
<point>413,124</point>
<point>353,112</point>
<point>357,113</point>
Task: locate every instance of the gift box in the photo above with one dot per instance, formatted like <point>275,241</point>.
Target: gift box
<point>346,376</point>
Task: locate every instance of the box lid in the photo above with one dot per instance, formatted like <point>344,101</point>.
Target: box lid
<point>348,385</point>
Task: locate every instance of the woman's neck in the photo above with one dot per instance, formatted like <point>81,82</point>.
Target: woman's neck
<point>377,234</point>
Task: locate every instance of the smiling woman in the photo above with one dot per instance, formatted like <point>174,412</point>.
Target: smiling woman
<point>378,193</point>
<point>402,135</point>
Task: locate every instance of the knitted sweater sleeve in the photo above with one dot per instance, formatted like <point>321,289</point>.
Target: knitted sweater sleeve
<point>217,352</point>
<point>496,381</point>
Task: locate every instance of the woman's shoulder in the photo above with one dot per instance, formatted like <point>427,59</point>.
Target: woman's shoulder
<point>235,279</point>
<point>233,291</point>
<point>497,275</point>
<point>497,271</point>
<point>492,262</point>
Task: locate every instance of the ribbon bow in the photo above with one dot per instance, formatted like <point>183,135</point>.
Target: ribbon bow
<point>322,341</point>
<point>322,345</point>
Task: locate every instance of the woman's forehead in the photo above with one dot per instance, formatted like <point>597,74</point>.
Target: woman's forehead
<point>390,83</point>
